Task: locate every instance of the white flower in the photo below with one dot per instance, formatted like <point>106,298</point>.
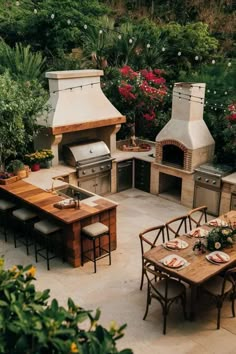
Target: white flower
<point>217,245</point>
<point>229,239</point>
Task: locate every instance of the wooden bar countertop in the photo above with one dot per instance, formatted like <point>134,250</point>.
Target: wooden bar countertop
<point>44,200</point>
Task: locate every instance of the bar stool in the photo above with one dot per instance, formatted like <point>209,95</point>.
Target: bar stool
<point>48,231</point>
<point>5,208</point>
<point>25,217</point>
<point>95,232</point>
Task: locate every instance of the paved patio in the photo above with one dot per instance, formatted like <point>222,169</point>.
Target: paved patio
<point>115,289</point>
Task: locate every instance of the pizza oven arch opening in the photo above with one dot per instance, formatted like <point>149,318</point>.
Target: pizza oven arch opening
<point>173,155</point>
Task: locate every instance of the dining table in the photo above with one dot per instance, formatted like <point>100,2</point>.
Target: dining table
<point>197,268</point>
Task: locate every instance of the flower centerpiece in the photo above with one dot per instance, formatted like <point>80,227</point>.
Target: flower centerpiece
<point>220,237</point>
<point>39,157</point>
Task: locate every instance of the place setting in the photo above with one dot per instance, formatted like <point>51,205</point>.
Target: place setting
<point>174,261</point>
<point>217,222</point>
<point>198,233</point>
<point>175,244</point>
<point>218,257</point>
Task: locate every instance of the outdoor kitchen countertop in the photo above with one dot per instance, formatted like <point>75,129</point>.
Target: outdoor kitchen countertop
<point>230,178</point>
<point>120,155</point>
<point>44,177</point>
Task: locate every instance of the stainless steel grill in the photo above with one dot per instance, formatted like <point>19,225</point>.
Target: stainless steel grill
<point>208,181</point>
<point>93,163</point>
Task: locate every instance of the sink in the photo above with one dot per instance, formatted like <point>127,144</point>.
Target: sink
<point>70,191</point>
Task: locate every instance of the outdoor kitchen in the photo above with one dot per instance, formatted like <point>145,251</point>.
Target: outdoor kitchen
<point>81,128</point>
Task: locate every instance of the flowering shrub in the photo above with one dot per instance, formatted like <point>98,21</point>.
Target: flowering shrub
<point>29,325</point>
<point>220,237</point>
<point>139,96</point>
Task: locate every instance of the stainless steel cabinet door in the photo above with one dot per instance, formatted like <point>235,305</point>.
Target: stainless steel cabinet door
<point>208,197</point>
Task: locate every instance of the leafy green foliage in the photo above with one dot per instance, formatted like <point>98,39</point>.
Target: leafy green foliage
<point>19,105</point>
<point>21,62</point>
<point>28,324</point>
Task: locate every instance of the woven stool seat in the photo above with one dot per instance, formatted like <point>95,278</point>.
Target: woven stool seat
<point>24,214</point>
<point>24,217</point>
<point>5,209</point>
<point>95,232</point>
<point>50,240</point>
<point>5,204</point>
<point>95,229</point>
<point>46,227</point>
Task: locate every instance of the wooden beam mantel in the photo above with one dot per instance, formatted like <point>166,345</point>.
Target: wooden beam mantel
<point>86,125</point>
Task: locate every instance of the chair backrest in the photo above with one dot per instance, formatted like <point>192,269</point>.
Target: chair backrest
<point>197,217</point>
<point>176,227</point>
<point>148,238</point>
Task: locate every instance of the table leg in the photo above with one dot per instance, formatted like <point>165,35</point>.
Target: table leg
<point>193,300</point>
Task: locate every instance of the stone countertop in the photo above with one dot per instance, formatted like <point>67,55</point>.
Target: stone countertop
<point>231,179</point>
<point>120,155</point>
<point>44,177</point>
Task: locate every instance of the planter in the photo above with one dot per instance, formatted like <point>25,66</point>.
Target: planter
<point>8,180</point>
<point>46,164</point>
<point>22,174</point>
<point>35,167</point>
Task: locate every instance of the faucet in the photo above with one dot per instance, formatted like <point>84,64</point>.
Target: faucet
<point>53,181</point>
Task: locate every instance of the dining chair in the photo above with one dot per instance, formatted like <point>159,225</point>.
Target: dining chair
<point>148,239</point>
<point>197,217</point>
<point>174,227</point>
<point>166,290</point>
<point>219,287</point>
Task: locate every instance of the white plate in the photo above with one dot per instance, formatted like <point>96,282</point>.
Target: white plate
<point>198,232</point>
<point>180,262</point>
<point>217,222</point>
<point>177,245</point>
<point>224,255</point>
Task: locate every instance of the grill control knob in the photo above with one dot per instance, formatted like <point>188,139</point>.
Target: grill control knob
<point>84,172</point>
<point>101,167</point>
<point>213,182</point>
<point>199,178</point>
<point>206,180</point>
<point>93,170</point>
<point>108,166</point>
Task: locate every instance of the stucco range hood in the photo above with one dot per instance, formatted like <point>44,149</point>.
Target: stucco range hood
<point>186,124</point>
<point>77,102</point>
<point>185,140</point>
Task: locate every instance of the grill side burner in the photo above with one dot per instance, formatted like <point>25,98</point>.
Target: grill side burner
<point>207,190</point>
<point>93,164</point>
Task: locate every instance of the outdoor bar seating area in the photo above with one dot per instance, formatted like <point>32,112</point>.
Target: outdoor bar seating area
<point>180,255</point>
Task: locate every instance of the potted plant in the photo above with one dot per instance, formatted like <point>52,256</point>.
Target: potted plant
<point>18,168</point>
<point>47,157</point>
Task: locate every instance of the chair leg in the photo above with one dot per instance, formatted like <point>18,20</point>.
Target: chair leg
<point>94,255</point>
<point>218,315</point>
<point>233,300</point>
<point>47,252</point>
<point>142,276</point>
<point>165,312</point>
<point>109,247</point>
<point>148,302</point>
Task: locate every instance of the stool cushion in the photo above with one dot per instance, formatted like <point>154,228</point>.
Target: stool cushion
<point>46,227</point>
<point>24,214</point>
<point>5,204</point>
<point>95,229</point>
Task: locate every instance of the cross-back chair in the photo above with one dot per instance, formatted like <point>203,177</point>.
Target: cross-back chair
<point>219,287</point>
<point>174,227</point>
<point>197,217</point>
<point>148,239</point>
<point>164,289</point>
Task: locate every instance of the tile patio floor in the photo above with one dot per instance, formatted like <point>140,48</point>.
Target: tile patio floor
<point>115,289</point>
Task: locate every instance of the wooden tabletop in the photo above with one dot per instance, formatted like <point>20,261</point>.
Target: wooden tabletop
<point>199,269</point>
<point>43,200</point>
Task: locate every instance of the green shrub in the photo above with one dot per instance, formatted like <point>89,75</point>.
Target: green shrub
<point>28,324</point>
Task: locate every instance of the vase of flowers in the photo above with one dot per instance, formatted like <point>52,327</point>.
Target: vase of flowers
<point>220,237</point>
<point>40,158</point>
<point>47,157</point>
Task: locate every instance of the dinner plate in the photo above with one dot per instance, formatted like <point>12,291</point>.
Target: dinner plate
<point>198,232</point>
<point>177,261</point>
<point>217,222</point>
<point>223,257</point>
<point>175,245</point>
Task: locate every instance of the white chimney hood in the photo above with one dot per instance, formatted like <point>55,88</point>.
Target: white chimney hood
<point>77,102</point>
<point>186,124</point>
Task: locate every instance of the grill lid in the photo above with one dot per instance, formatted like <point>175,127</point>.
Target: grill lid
<point>85,152</point>
<point>215,169</point>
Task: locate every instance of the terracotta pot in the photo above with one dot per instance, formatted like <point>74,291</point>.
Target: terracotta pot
<point>35,167</point>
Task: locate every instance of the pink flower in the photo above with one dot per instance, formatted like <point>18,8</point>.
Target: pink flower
<point>127,71</point>
<point>149,116</point>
